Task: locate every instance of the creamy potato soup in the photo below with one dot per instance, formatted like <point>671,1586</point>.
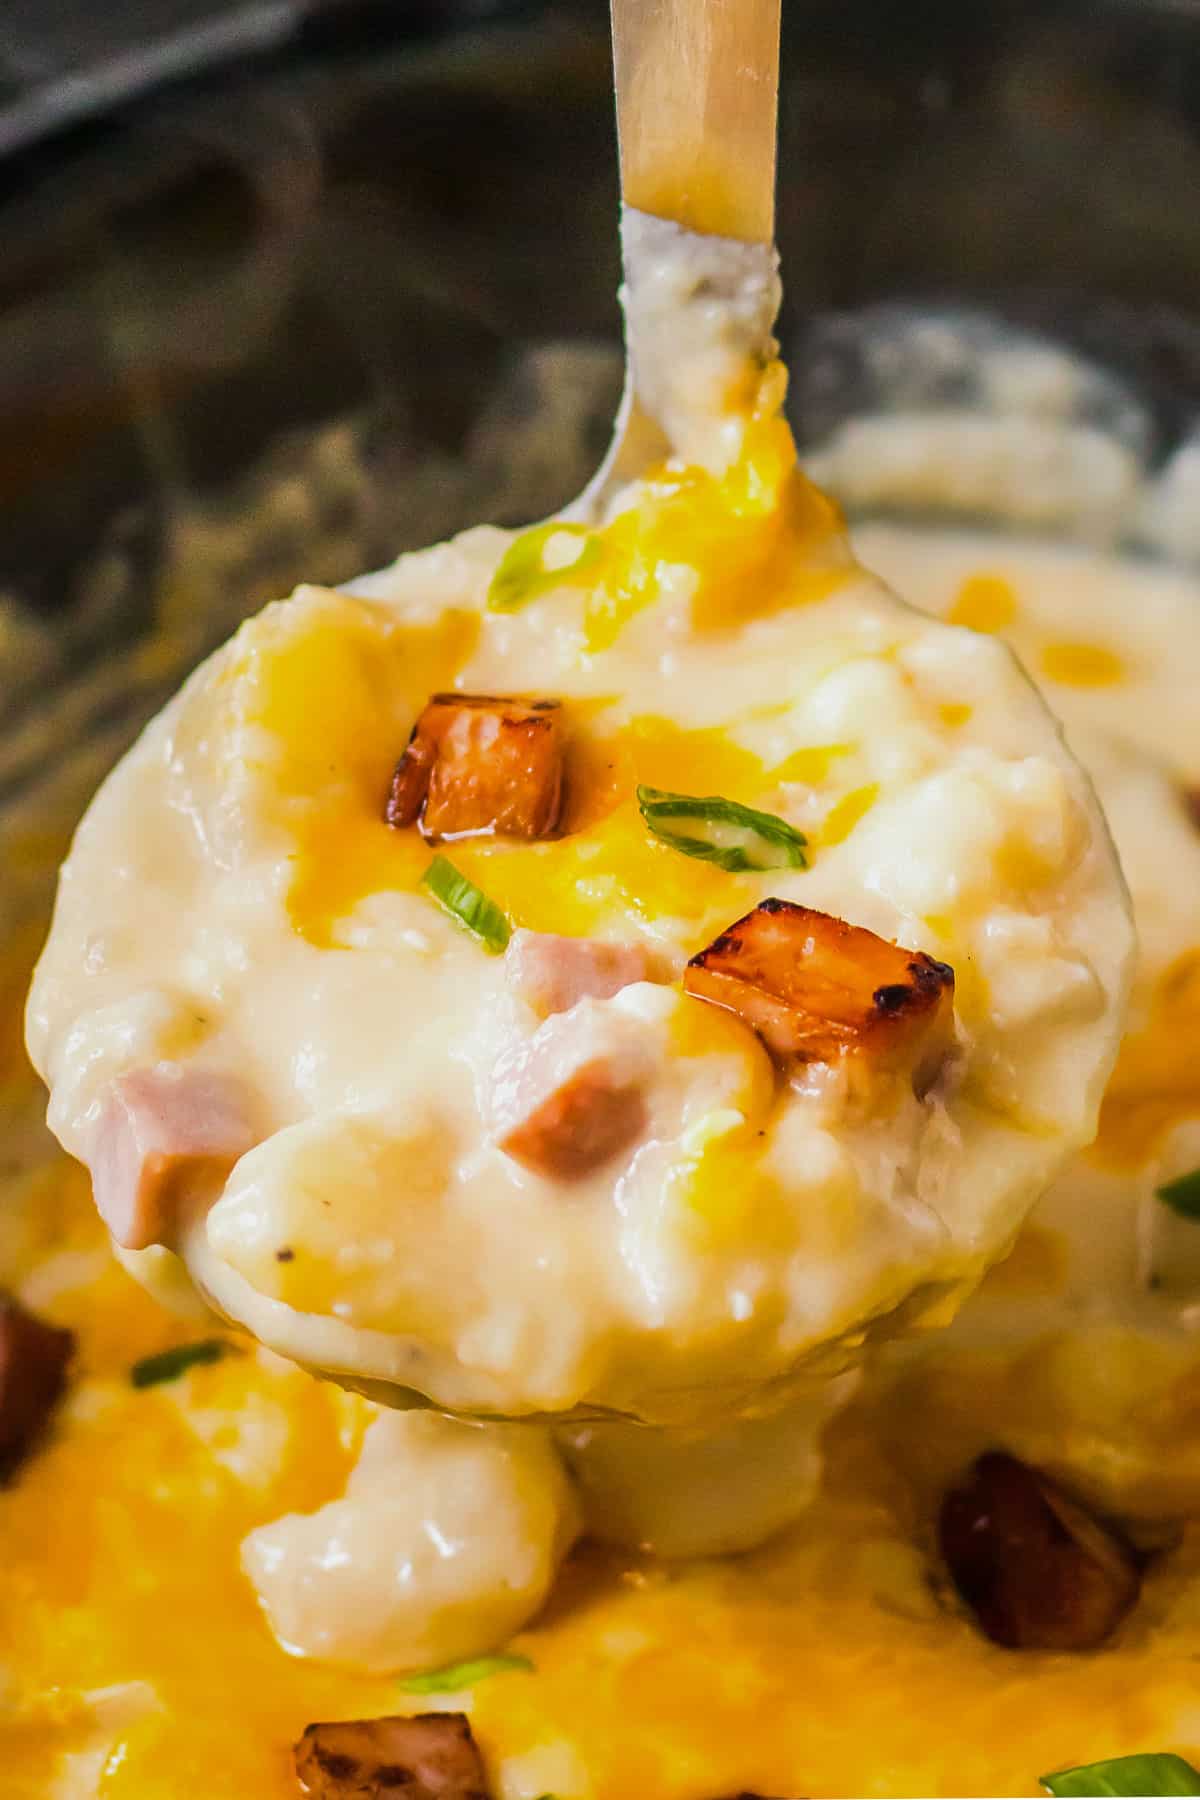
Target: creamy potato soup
<point>624,1145</point>
<point>635,1003</point>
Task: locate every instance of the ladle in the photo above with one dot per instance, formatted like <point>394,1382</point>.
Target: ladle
<point>697,90</point>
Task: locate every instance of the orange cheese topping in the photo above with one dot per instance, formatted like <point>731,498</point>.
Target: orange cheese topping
<point>984,603</point>
<point>1156,1083</point>
<point>1081,665</point>
<point>571,883</point>
<point>605,858</point>
<point>120,1565</point>
<point>682,1683</point>
<point>748,538</point>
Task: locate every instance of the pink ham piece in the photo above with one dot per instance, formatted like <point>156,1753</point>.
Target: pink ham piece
<point>573,1095</point>
<point>554,973</point>
<point>160,1130</point>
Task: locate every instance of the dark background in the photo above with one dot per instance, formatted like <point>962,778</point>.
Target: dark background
<point>225,227</point>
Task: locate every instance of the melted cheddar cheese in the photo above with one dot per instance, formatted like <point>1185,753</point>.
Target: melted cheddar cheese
<point>671,1682</point>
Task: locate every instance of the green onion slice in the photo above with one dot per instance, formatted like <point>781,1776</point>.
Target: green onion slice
<point>169,1365</point>
<point>457,1676</point>
<point>722,831</point>
<point>522,573</point>
<point>1183,1194</point>
<point>1157,1773</point>
<point>467,903</point>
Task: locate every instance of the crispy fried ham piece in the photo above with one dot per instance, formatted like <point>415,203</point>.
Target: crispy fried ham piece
<point>1036,1569</point>
<point>818,990</point>
<point>430,1757</point>
<point>33,1373</point>
<point>553,973</point>
<point>158,1129</point>
<point>481,765</point>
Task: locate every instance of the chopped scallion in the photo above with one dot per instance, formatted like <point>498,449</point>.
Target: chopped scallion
<point>1150,1774</point>
<point>457,1676</point>
<point>169,1365</point>
<point>522,573</point>
<point>1183,1194</point>
<point>467,903</point>
<point>733,836</point>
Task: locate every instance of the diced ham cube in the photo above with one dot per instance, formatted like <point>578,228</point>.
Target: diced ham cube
<point>480,765</point>
<point>554,973</point>
<point>160,1130</point>
<point>430,1757</point>
<point>33,1373</point>
<point>1038,1571</point>
<point>819,990</point>
<point>573,1096</point>
<point>577,1127</point>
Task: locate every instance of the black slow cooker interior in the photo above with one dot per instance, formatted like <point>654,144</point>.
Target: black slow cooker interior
<point>387,214</point>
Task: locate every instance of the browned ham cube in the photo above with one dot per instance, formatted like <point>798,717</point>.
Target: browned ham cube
<point>818,990</point>
<point>430,1757</point>
<point>33,1373</point>
<point>1036,1568</point>
<point>480,765</point>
